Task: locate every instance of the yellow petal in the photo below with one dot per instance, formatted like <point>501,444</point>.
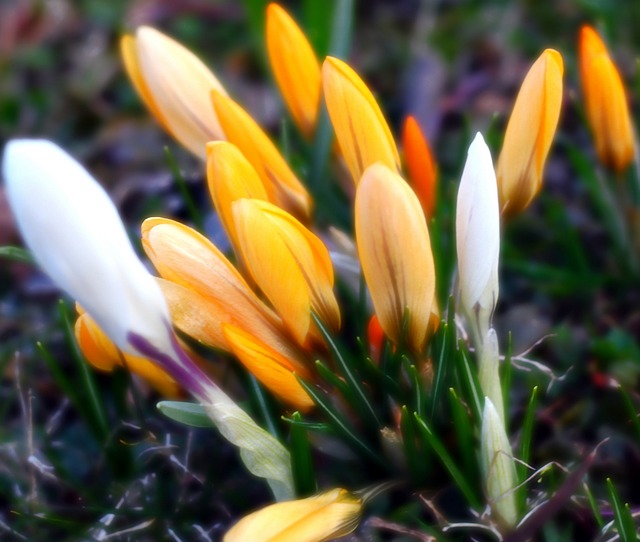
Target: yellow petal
<point>185,257</point>
<point>100,352</point>
<point>295,67</point>
<point>175,85</point>
<point>269,367</point>
<point>275,245</point>
<point>362,132</point>
<point>280,182</point>
<point>421,166</point>
<point>231,177</point>
<point>529,133</point>
<point>322,517</point>
<point>606,102</point>
<point>395,253</point>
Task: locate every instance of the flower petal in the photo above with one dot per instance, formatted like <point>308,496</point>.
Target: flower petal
<point>529,133</point>
<point>179,85</point>
<point>395,252</point>
<point>362,132</point>
<point>420,165</point>
<point>279,180</point>
<point>295,68</point>
<point>271,368</point>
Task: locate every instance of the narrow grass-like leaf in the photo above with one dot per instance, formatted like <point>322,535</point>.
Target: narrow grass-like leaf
<point>595,509</point>
<point>95,402</point>
<point>447,349</point>
<point>464,432</point>
<point>631,411</point>
<point>505,378</point>
<point>360,399</point>
<point>331,378</point>
<point>448,462</point>
<point>339,424</point>
<point>301,461</point>
<point>621,515</point>
<point>415,463</point>
<point>16,254</point>
<point>416,386</point>
<point>192,414</point>
<point>267,412</point>
<point>311,426</point>
<point>189,203</point>
<point>468,377</point>
<point>525,448</point>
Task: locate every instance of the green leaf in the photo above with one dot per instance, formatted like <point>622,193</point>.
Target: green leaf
<point>525,448</point>
<point>190,204</point>
<point>301,460</point>
<point>193,414</point>
<point>17,254</point>
<point>621,515</point>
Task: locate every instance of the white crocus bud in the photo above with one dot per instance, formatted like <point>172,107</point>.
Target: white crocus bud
<point>75,234</point>
<point>478,238</point>
<point>489,372</point>
<point>498,467</point>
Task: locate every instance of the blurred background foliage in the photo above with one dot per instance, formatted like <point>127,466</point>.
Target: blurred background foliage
<point>86,456</point>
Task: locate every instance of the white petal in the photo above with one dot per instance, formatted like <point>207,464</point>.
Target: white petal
<point>75,234</point>
<point>478,229</point>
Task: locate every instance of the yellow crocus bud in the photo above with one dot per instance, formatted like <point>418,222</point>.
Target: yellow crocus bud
<point>279,180</point>
<point>498,467</point>
<point>275,246</point>
<point>395,253</point>
<point>295,67</point>
<point>606,102</point>
<point>361,130</point>
<point>175,85</point>
<point>322,517</point>
<point>100,352</point>
<point>204,291</point>
<point>231,177</point>
<point>421,165</point>
<point>529,133</point>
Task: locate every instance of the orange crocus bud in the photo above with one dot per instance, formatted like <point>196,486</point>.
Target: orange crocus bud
<point>606,102</point>
<point>175,86</point>
<point>375,333</point>
<point>361,130</point>
<point>395,253</point>
<point>100,352</point>
<point>274,245</point>
<point>529,133</point>
<point>295,67</point>
<point>421,165</point>
<point>280,182</point>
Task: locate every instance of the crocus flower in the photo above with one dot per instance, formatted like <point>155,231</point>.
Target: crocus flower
<point>395,253</point>
<point>86,252</point>
<point>323,517</point>
<point>529,133</point>
<point>478,238</point>
<point>498,467</point>
<point>295,68</point>
<point>361,130</point>
<point>279,180</point>
<point>175,85</point>
<point>606,102</point>
<point>275,245</point>
<point>489,372</point>
<point>211,302</point>
<point>421,165</point>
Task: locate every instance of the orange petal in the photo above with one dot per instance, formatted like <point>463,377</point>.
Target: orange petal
<point>178,84</point>
<point>529,133</point>
<point>275,245</point>
<point>269,367</point>
<point>420,165</point>
<point>230,177</point>
<point>606,102</point>
<point>281,184</point>
<point>395,253</point>
<point>362,132</point>
<point>295,67</point>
